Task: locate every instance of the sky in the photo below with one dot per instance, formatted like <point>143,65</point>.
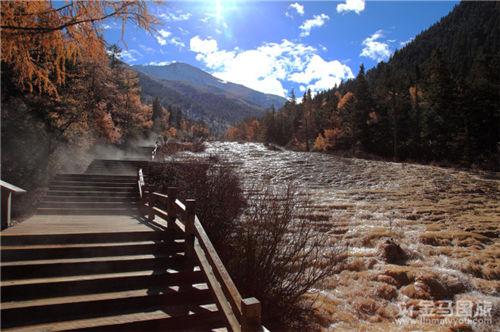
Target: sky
<point>277,46</point>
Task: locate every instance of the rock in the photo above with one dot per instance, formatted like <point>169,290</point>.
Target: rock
<point>400,277</point>
<point>428,287</point>
<point>386,279</point>
<point>413,291</point>
<point>391,252</point>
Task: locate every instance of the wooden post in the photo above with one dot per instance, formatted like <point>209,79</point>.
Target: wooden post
<point>251,315</point>
<point>171,209</point>
<point>6,207</point>
<point>151,203</point>
<point>189,228</point>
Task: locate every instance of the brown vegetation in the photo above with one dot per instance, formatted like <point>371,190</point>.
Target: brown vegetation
<point>39,40</point>
<point>265,240</point>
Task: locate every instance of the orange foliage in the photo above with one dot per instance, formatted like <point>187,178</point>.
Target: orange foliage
<point>327,140</point>
<point>171,132</point>
<point>233,134</point>
<point>251,130</point>
<point>345,100</point>
<point>39,40</point>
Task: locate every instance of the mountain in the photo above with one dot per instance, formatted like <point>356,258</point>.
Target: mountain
<point>216,110</point>
<point>468,34</point>
<point>197,78</point>
<point>436,100</point>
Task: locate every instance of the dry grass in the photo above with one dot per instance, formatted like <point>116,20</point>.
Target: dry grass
<point>454,238</point>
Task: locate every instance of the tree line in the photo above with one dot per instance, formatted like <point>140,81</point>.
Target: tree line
<point>444,106</point>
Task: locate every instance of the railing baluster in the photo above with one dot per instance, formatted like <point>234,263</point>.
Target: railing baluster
<point>171,209</point>
<point>251,315</point>
<point>151,203</point>
<point>189,227</point>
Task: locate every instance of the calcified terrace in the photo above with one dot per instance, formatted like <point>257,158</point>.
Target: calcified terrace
<point>446,221</point>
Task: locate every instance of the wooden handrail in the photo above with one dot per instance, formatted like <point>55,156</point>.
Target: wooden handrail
<point>7,191</point>
<point>241,314</point>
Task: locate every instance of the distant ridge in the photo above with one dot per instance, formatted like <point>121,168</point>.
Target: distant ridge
<point>202,80</point>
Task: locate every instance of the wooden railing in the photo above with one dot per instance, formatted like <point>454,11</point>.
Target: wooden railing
<point>241,314</point>
<point>7,191</point>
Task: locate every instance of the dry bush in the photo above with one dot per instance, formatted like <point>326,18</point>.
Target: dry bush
<point>171,148</point>
<point>214,185</point>
<point>271,249</point>
<point>278,256</point>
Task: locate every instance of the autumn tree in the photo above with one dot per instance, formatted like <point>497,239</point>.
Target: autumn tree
<point>39,39</point>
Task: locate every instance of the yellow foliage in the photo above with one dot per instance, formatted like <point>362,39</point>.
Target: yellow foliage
<point>345,100</point>
<point>171,132</point>
<point>233,133</point>
<point>38,40</point>
<point>326,140</point>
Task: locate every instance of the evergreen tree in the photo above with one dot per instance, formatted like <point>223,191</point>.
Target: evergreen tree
<point>362,108</point>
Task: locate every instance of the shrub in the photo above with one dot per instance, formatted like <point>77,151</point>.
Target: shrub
<point>214,185</point>
<point>277,255</point>
<point>266,241</point>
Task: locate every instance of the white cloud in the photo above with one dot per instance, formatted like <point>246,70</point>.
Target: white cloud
<point>163,39</point>
<point>162,36</point>
<point>404,43</point>
<point>176,17</point>
<point>321,75</point>
<point>315,22</point>
<point>176,41</point>
<point>159,63</point>
<point>356,6</point>
<point>147,49</point>
<point>375,49</point>
<point>130,55</point>
<point>266,67</point>
<point>299,9</point>
<point>203,46</point>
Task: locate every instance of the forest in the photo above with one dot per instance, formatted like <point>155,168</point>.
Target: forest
<point>65,90</point>
<point>436,100</point>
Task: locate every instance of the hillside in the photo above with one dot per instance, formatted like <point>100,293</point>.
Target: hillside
<point>471,32</point>
<point>205,82</point>
<point>435,100</point>
<point>217,111</point>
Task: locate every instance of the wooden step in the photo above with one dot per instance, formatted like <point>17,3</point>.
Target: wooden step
<point>87,183</point>
<point>98,197</point>
<point>155,319</point>
<point>82,266</point>
<point>90,193</point>
<point>95,204</point>
<point>130,210</point>
<point>27,289</point>
<point>95,177</point>
<point>92,188</point>
<point>97,305</point>
<point>201,320</point>
<point>24,239</point>
<point>58,251</point>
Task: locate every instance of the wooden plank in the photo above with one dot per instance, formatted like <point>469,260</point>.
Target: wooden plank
<point>228,286</point>
<point>222,303</point>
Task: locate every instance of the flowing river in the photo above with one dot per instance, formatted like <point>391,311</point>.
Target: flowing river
<point>446,221</point>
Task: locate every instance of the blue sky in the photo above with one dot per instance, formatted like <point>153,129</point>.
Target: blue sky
<point>276,46</point>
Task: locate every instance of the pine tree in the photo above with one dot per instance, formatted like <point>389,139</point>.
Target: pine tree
<point>362,108</point>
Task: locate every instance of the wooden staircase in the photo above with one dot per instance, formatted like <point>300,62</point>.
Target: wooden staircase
<point>119,282</point>
<point>90,261</point>
<point>90,194</point>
